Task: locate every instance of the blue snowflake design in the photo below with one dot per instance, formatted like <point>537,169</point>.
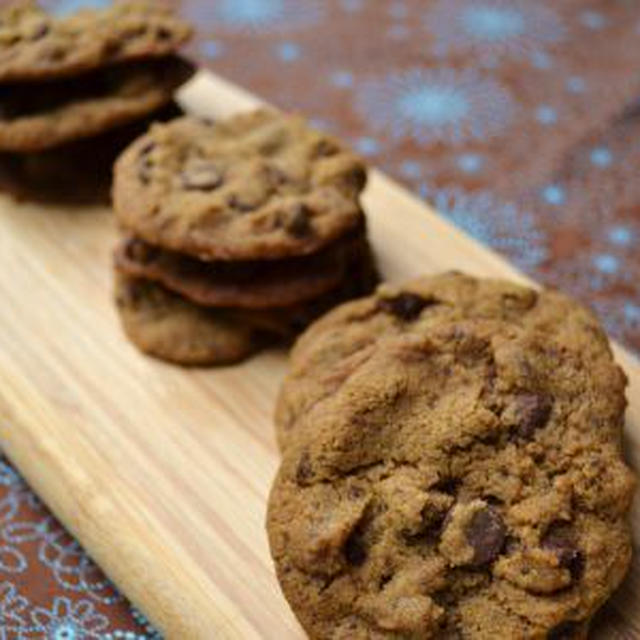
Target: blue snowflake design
<point>494,29</point>
<point>502,226</point>
<point>254,16</point>
<point>65,7</point>
<point>436,105</point>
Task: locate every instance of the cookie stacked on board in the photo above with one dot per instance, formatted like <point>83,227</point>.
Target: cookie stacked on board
<point>452,466</point>
<point>84,77</point>
<point>235,234</point>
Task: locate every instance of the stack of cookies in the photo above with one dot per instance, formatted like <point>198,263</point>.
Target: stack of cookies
<point>87,76</point>
<point>452,466</point>
<point>235,234</point>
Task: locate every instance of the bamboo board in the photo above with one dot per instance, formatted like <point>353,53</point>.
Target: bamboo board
<point>163,473</point>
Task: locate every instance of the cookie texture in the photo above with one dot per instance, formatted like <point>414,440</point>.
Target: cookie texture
<point>35,46</point>
<point>39,117</point>
<point>173,329</point>
<point>256,284</point>
<point>452,466</point>
<point>260,185</point>
<point>78,172</point>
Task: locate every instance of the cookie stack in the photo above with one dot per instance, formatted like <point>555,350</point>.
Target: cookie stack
<point>452,466</point>
<point>235,234</point>
<point>76,78</point>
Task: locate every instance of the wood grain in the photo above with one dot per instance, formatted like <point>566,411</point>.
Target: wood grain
<point>163,473</point>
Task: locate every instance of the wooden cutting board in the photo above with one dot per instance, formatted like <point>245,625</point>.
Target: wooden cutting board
<point>163,473</point>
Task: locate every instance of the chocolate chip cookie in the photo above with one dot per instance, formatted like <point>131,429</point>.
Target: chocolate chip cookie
<point>257,284</point>
<point>456,470</point>
<point>170,328</point>
<point>261,185</point>
<point>37,117</point>
<point>37,46</point>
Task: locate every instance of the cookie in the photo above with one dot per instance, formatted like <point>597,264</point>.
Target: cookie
<point>173,329</point>
<point>258,284</point>
<point>35,46</point>
<point>38,117</point>
<point>326,353</point>
<point>76,173</point>
<point>464,479</point>
<point>258,186</point>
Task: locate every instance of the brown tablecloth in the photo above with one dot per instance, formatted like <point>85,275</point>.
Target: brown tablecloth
<point>518,119</point>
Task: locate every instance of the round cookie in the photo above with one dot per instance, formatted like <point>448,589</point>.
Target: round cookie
<point>259,284</point>
<point>258,186</point>
<point>170,328</point>
<point>35,46</point>
<point>465,480</point>
<point>329,351</point>
<point>35,118</point>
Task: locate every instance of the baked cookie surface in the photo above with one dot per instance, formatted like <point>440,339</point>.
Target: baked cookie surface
<point>260,185</point>
<point>458,472</point>
<point>37,46</point>
<point>38,117</point>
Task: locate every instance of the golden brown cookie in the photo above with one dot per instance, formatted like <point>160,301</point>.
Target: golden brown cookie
<point>39,117</point>
<point>257,284</point>
<point>463,477</point>
<point>170,328</point>
<point>260,185</point>
<point>35,46</point>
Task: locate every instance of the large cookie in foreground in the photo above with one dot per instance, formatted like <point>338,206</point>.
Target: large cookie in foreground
<point>35,46</point>
<point>39,117</point>
<point>260,185</point>
<point>464,478</point>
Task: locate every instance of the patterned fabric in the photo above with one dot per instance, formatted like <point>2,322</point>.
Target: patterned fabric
<point>519,120</point>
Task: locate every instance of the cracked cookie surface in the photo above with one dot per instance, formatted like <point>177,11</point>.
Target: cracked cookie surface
<point>260,185</point>
<point>37,46</point>
<point>458,471</point>
<point>39,117</point>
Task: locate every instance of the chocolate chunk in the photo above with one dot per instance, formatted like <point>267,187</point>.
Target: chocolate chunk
<point>564,631</point>
<point>447,485</point>
<point>304,470</point>
<point>324,149</point>
<point>559,538</point>
<point>201,177</point>
<point>299,224</point>
<point>236,202</point>
<point>532,412</point>
<point>355,550</point>
<point>406,306</point>
<point>140,251</point>
<point>486,534</point>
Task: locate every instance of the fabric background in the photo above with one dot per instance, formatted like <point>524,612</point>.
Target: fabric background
<point>519,120</point>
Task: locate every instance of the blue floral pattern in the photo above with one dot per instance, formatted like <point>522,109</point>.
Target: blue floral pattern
<point>436,105</point>
<point>495,29</point>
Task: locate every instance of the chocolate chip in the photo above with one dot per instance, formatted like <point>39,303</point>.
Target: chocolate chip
<point>486,534</point>
<point>447,485</point>
<point>144,162</point>
<point>559,538</point>
<point>532,412</point>
<point>432,523</point>
<point>564,631</point>
<point>354,549</point>
<point>304,470</point>
<point>162,33</point>
<point>325,148</point>
<point>236,202</point>
<point>201,177</point>
<point>299,225</point>
<point>406,306</point>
